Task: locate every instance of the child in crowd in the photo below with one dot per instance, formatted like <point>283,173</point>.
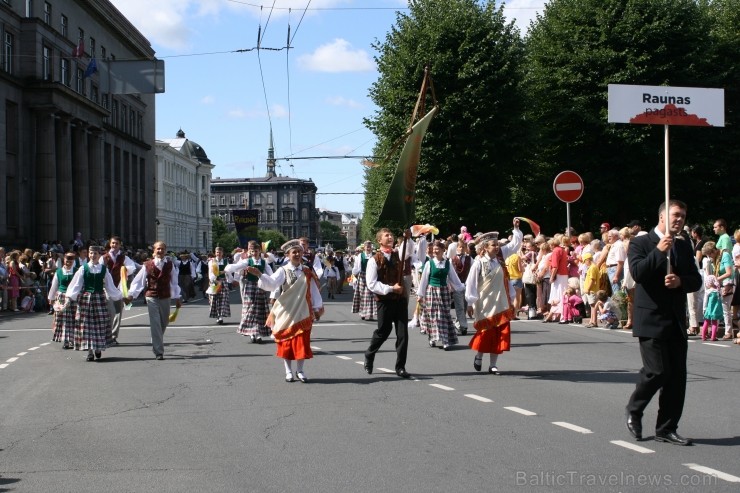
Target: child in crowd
<point>590,286</point>
<point>332,275</point>
<point>713,309</point>
<point>570,306</point>
<point>606,310</point>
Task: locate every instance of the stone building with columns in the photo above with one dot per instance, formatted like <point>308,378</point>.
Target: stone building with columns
<point>74,157</point>
<point>183,176</point>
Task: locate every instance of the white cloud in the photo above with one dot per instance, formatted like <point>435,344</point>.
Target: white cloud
<point>276,111</point>
<point>337,56</point>
<point>208,99</point>
<point>523,12</point>
<point>342,101</point>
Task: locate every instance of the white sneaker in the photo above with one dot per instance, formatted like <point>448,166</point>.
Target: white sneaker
<point>289,377</point>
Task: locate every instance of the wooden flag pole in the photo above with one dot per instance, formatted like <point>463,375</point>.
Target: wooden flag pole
<point>666,216</point>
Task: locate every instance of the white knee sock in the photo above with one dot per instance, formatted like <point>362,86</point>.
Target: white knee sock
<point>299,365</point>
<point>288,366</point>
<point>494,358</point>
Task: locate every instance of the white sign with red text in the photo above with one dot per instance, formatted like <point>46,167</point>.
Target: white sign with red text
<point>664,105</point>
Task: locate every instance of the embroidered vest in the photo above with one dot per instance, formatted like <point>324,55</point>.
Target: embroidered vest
<point>221,265</point>
<point>115,267</point>
<point>94,283</point>
<point>260,266</point>
<point>438,277</point>
<point>185,269</point>
<point>363,262</point>
<point>388,273</point>
<point>64,279</point>
<point>157,281</point>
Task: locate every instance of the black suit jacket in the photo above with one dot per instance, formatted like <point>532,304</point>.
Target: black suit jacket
<point>659,312</point>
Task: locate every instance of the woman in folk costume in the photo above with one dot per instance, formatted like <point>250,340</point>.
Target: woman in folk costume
<point>254,300</point>
<point>64,319</point>
<point>363,300</point>
<point>489,303</point>
<point>88,288</point>
<point>219,289</point>
<point>437,278</point>
<point>296,307</point>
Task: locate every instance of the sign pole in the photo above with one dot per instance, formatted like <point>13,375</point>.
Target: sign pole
<point>666,216</point>
<point>567,220</point>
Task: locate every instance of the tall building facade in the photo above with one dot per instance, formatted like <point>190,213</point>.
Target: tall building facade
<point>183,177</point>
<point>284,203</point>
<point>74,158</point>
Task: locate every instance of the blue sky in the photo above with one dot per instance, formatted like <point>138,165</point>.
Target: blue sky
<point>315,97</point>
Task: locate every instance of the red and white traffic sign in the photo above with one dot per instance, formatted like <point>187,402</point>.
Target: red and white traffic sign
<point>568,186</point>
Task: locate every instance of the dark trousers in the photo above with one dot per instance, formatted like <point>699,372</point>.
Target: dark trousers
<point>664,369</point>
<point>391,312</point>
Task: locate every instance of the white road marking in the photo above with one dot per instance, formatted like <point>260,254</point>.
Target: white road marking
<point>386,370</point>
<point>22,354</point>
<point>45,344</point>
<point>632,446</point>
<point>316,348</point>
<point>713,344</point>
<point>10,360</point>
<point>24,330</point>
<point>441,387</point>
<point>343,357</point>
<point>338,325</point>
<point>4,365</point>
<point>572,427</point>
<point>360,362</point>
<point>145,314</point>
<point>33,348</point>
<point>714,472</point>
<point>478,398</point>
<point>325,352</point>
<point>521,411</point>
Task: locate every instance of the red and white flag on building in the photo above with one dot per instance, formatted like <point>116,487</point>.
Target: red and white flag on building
<point>79,50</point>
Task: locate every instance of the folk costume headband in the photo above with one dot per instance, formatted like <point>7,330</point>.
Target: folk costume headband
<point>290,245</point>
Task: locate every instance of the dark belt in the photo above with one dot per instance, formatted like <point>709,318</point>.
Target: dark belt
<point>613,265</point>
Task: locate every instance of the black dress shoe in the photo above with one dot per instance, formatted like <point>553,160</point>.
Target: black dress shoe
<point>98,355</point>
<point>368,366</point>
<point>672,437</point>
<point>634,426</point>
<point>160,357</point>
<point>477,363</point>
<point>90,356</point>
<point>403,373</point>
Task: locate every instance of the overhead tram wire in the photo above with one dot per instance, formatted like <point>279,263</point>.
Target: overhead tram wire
<point>287,71</point>
<point>260,35</point>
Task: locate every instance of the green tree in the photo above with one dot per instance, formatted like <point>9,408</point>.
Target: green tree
<point>221,235</point>
<point>276,238</point>
<point>573,51</point>
<point>471,156</point>
<point>331,233</point>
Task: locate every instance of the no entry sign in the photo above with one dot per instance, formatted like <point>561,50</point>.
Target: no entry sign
<point>568,186</point>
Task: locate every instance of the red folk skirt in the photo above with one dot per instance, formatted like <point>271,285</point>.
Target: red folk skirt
<point>492,340</point>
<point>295,348</point>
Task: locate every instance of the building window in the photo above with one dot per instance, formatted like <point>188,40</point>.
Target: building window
<point>132,122</point>
<point>288,231</point>
<point>64,71</point>
<point>257,199</point>
<point>213,201</point>
<point>92,47</point>
<point>114,112</point>
<point>46,63</point>
<point>269,198</point>
<point>304,214</point>
<point>223,200</point>
<point>47,13</point>
<point>29,8</point>
<point>122,123</point>
<point>65,26</point>
<point>270,216</point>
<point>233,200</point>
<point>286,198</point>
<point>288,215</point>
<point>102,52</point>
<point>94,93</point>
<point>8,53</point>
<point>80,83</point>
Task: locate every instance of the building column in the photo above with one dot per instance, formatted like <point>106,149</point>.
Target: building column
<point>44,185</point>
<point>95,170</point>
<point>81,172</point>
<point>64,179</point>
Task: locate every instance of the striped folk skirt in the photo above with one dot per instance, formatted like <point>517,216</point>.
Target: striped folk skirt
<point>64,322</point>
<point>436,319</point>
<point>254,311</point>
<point>368,303</point>
<point>93,320</point>
<point>220,305</point>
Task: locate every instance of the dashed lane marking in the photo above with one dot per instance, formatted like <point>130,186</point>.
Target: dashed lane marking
<point>343,357</point>
<point>572,427</point>
<point>4,365</point>
<point>386,370</point>
<point>441,387</point>
<point>10,360</point>
<point>360,362</point>
<point>316,348</point>
<point>713,344</point>
<point>22,354</point>
<point>478,398</point>
<point>713,472</point>
<point>33,348</point>
<point>45,344</point>
<point>632,446</point>
<point>521,411</point>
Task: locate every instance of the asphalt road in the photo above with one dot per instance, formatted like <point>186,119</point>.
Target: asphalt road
<point>216,414</point>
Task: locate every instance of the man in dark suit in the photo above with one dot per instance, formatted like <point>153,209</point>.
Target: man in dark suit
<point>660,321</point>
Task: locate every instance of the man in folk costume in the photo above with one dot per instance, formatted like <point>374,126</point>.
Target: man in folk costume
<point>64,320</point>
<point>462,263</point>
<point>384,278</point>
<point>114,260</point>
<point>254,300</point>
<point>159,282</point>
<point>310,259</point>
<point>89,287</point>
<point>363,300</point>
<point>219,290</point>
<point>186,274</point>
<point>487,294</point>
<point>298,303</point>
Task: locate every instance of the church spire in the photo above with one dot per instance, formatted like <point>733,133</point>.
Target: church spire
<point>271,158</point>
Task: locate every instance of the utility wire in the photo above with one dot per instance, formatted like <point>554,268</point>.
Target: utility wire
<point>299,23</point>
<point>287,73</point>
